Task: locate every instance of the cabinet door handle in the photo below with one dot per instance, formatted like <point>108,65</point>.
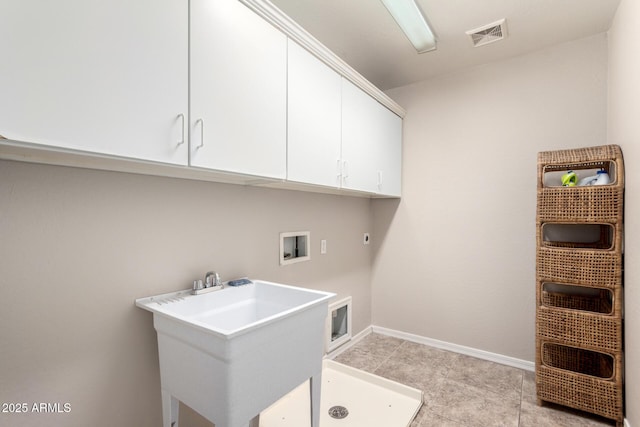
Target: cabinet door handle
<point>379,180</point>
<point>201,133</point>
<point>345,169</point>
<point>181,116</point>
<point>339,172</point>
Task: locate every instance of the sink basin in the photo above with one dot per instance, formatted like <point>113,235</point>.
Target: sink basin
<point>230,354</point>
<point>234,310</point>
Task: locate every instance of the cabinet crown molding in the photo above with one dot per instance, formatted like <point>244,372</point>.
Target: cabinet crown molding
<point>295,32</point>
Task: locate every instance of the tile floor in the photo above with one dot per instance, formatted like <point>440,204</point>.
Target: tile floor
<point>459,390</point>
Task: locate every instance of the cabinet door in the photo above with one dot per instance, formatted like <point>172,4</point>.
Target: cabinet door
<point>359,149</point>
<point>101,76</point>
<point>314,129</point>
<point>238,90</point>
<point>371,143</point>
<point>390,152</point>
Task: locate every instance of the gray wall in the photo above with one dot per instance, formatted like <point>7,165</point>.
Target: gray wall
<point>79,246</point>
<point>456,257</point>
<point>624,130</point>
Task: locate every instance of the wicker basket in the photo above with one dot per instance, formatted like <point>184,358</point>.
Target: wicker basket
<point>581,267</point>
<point>591,321</point>
<point>580,379</point>
<point>587,204</point>
<point>601,303</point>
<point>580,328</point>
<point>583,204</point>
<point>610,238</point>
<point>600,236</point>
<point>581,157</point>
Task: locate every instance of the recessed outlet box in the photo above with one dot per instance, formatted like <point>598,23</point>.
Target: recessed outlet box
<point>295,247</point>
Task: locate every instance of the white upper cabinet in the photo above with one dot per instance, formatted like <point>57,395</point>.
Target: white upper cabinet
<point>371,144</point>
<point>100,76</point>
<point>338,135</point>
<point>389,157</point>
<point>238,90</point>
<point>314,120</point>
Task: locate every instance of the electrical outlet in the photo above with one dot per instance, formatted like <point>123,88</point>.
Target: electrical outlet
<point>323,246</point>
<point>365,239</point>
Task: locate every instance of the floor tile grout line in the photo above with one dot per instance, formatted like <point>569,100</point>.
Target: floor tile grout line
<point>389,356</point>
<point>395,350</point>
<point>521,398</point>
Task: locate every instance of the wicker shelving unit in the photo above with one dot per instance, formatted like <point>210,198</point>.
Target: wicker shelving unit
<point>579,283</point>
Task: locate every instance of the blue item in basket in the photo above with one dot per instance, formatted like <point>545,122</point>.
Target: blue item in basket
<point>239,282</point>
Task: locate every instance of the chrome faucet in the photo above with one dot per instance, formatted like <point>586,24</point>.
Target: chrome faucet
<point>212,282</point>
<point>211,279</point>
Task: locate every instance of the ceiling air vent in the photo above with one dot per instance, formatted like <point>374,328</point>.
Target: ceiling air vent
<point>488,33</point>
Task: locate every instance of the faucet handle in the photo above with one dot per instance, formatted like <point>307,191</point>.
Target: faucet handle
<point>212,278</point>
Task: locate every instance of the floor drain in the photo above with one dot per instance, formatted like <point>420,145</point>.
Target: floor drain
<point>338,412</point>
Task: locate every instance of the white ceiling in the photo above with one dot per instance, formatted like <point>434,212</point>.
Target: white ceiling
<point>363,33</point>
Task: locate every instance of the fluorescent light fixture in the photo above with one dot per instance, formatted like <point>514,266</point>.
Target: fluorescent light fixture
<point>410,19</point>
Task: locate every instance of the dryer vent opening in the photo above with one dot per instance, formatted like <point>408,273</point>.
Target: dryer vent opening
<point>339,324</point>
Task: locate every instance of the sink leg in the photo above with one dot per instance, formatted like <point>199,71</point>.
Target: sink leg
<point>315,383</point>
<point>170,407</point>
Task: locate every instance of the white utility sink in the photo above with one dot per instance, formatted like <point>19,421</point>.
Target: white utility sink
<point>231,353</point>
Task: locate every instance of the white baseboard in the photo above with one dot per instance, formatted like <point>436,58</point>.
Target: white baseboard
<point>469,351</point>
